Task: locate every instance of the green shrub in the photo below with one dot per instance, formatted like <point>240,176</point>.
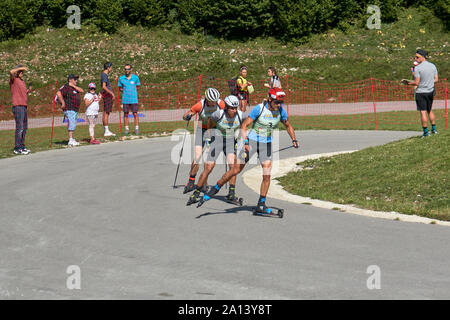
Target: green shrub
<point>107,15</point>
<point>17,18</point>
<point>147,13</point>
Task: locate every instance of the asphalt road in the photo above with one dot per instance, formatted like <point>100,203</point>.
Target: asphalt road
<point>111,210</point>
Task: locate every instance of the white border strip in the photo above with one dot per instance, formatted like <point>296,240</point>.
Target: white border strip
<point>253,177</point>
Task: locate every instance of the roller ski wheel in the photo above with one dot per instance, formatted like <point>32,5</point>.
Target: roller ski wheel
<point>268,212</point>
<point>235,200</point>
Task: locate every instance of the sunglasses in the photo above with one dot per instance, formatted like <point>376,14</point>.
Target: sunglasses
<point>127,69</point>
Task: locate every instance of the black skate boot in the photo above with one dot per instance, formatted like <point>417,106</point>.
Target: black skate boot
<point>195,197</point>
<point>208,195</point>
<point>190,186</point>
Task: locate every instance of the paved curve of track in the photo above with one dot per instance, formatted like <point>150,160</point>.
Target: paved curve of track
<point>111,210</point>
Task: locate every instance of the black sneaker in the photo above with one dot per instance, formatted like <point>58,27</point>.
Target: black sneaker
<point>25,151</point>
<point>17,151</point>
<point>434,132</point>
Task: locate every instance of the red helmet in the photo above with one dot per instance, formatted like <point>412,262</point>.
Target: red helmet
<point>277,94</point>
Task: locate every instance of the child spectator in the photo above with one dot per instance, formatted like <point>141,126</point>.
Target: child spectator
<point>92,99</point>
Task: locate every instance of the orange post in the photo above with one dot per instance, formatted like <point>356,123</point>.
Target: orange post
<point>374,104</point>
<point>53,116</point>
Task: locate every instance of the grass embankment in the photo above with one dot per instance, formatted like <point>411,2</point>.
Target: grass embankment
<point>411,176</point>
<point>160,55</point>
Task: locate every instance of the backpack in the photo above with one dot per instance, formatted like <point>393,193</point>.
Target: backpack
<point>232,84</point>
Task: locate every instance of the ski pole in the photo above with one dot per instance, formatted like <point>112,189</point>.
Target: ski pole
<point>284,149</point>
<point>181,154</point>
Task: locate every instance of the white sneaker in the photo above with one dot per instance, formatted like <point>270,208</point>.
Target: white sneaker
<point>109,134</point>
<point>73,143</point>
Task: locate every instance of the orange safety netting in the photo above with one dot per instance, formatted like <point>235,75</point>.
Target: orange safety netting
<point>371,102</point>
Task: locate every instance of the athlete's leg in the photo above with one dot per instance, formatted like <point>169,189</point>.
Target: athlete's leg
<point>197,157</point>
<point>265,184</point>
<point>209,166</point>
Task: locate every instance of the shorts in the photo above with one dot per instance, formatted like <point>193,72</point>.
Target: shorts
<point>71,119</point>
<point>130,107</point>
<point>199,136</point>
<point>92,119</point>
<point>263,149</point>
<point>218,146</point>
<point>107,102</point>
<point>243,95</point>
<point>424,101</point>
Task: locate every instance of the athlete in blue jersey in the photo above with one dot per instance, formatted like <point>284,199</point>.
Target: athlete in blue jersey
<point>262,120</point>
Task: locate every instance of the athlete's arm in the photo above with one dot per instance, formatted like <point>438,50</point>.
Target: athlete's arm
<point>291,132</point>
<point>247,122</point>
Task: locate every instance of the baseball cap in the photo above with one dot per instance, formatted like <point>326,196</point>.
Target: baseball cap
<point>422,52</point>
<point>72,76</point>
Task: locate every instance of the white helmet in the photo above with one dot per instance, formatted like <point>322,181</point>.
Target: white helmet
<point>212,94</point>
<point>231,102</point>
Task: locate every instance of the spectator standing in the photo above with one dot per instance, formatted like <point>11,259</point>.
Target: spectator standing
<point>425,76</point>
<point>243,88</point>
<point>70,99</point>
<point>108,97</point>
<point>91,100</point>
<point>274,80</point>
<point>128,84</point>
<point>19,97</point>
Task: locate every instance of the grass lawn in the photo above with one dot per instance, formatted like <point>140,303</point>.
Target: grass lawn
<point>38,139</point>
<point>410,176</point>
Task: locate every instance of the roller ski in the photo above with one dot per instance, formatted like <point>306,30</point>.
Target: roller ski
<point>208,195</point>
<point>263,210</point>
<point>231,198</point>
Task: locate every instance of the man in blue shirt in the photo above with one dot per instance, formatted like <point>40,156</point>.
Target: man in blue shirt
<point>128,84</point>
